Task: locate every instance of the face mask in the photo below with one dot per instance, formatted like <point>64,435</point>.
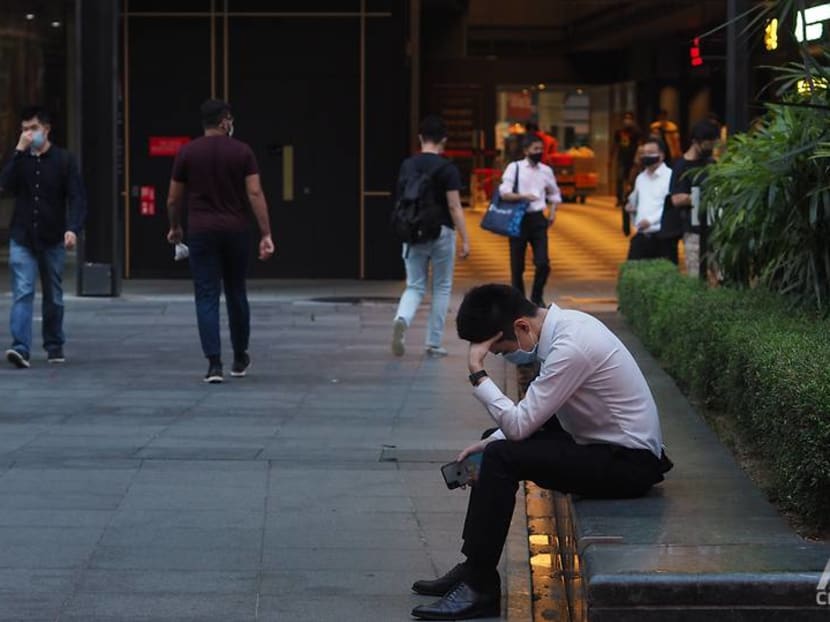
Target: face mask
<point>38,139</point>
<point>535,157</point>
<point>522,357</point>
<point>649,160</point>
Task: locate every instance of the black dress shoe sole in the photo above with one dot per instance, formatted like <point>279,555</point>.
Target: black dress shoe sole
<point>487,611</point>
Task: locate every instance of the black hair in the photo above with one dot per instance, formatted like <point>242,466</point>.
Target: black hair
<point>657,141</point>
<point>214,111</point>
<point>433,129</point>
<point>530,126</point>
<point>705,130</point>
<point>628,113</point>
<point>529,139</point>
<point>488,309</point>
<point>39,112</point>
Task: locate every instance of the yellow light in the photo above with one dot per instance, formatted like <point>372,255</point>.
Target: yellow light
<point>804,87</point>
<point>539,539</point>
<point>771,35</point>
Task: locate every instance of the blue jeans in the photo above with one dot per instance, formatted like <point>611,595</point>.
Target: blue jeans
<point>417,258</point>
<point>220,258</point>
<point>25,264</point>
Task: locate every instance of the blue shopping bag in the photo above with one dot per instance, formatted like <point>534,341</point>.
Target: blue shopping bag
<point>505,217</point>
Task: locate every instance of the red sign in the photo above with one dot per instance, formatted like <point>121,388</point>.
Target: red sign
<point>148,200</point>
<point>166,146</point>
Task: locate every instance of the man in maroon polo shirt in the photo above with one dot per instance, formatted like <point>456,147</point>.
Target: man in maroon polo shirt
<point>218,178</point>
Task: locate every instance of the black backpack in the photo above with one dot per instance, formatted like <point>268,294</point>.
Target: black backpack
<point>417,216</point>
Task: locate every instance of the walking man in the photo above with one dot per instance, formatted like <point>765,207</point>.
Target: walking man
<point>647,203</point>
<point>44,179</point>
<point>687,179</point>
<point>537,184</point>
<point>587,425</point>
<point>445,204</point>
<point>218,177</point>
<point>626,141</point>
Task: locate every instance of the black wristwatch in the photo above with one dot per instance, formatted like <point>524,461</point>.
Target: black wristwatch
<point>476,376</point>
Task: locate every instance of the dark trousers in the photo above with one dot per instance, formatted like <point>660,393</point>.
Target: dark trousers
<point>552,460</point>
<point>535,232</point>
<point>220,258</point>
<point>652,246</point>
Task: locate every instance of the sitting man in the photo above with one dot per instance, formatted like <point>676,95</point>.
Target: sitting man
<point>587,425</point>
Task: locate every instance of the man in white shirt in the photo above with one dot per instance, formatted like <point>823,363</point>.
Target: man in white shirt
<point>647,200</point>
<point>537,185</point>
<point>587,425</point>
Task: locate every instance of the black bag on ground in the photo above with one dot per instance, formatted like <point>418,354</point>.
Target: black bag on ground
<point>417,215</point>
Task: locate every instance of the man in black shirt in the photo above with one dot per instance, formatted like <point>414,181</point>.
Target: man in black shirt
<point>685,192</point>
<point>626,141</point>
<point>43,178</point>
<point>439,253</point>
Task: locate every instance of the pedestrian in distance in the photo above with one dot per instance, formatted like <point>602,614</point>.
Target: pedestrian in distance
<point>44,180</point>
<point>647,202</point>
<point>537,185</point>
<point>217,177</point>
<point>427,218</point>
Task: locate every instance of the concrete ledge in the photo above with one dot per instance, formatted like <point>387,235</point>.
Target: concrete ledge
<point>705,545</point>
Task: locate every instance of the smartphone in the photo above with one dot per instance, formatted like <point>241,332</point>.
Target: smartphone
<point>457,474</point>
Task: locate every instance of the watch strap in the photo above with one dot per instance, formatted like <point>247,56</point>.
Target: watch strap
<point>476,376</point>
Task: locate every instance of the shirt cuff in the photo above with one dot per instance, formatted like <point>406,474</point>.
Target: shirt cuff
<point>487,391</point>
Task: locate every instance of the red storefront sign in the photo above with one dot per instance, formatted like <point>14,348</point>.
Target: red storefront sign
<point>166,146</point>
<point>148,200</point>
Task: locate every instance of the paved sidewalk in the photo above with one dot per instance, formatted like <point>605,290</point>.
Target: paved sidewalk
<point>132,491</point>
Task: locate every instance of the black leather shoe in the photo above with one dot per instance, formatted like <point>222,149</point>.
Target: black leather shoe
<point>441,585</point>
<point>461,603</point>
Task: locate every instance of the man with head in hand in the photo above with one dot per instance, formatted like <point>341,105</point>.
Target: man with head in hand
<point>218,178</point>
<point>44,180</point>
<point>587,425</point>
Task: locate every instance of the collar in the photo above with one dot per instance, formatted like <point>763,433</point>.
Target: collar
<point>548,328</point>
<point>661,170</point>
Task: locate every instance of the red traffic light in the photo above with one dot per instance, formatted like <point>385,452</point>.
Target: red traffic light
<point>694,53</point>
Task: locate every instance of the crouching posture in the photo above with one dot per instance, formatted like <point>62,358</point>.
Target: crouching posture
<point>587,425</point>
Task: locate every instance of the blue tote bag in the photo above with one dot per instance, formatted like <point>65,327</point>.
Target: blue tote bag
<point>505,217</point>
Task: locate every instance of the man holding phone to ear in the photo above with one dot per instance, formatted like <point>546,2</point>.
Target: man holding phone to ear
<point>587,425</point>
<point>49,214</point>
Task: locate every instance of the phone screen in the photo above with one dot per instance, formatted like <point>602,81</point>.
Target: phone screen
<point>462,473</point>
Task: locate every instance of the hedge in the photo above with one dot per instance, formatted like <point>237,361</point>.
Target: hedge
<point>747,355</point>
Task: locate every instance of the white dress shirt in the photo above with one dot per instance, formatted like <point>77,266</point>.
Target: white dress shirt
<point>536,179</point>
<point>649,196</point>
<point>589,380</point>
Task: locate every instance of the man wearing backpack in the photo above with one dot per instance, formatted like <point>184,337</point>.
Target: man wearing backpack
<point>44,180</point>
<point>426,216</point>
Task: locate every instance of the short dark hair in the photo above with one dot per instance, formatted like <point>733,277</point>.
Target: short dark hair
<point>39,112</point>
<point>488,309</point>
<point>705,130</point>
<point>433,129</point>
<point>628,113</point>
<point>214,111</point>
<point>530,126</point>
<point>529,139</point>
<point>657,141</point>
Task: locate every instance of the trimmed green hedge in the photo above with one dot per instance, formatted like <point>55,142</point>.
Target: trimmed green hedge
<point>746,354</point>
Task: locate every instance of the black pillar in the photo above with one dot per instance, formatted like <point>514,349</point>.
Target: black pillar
<point>737,68</point>
<point>98,76</point>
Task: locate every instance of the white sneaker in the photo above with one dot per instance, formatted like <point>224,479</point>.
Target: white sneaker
<point>398,334</point>
<point>436,351</point>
